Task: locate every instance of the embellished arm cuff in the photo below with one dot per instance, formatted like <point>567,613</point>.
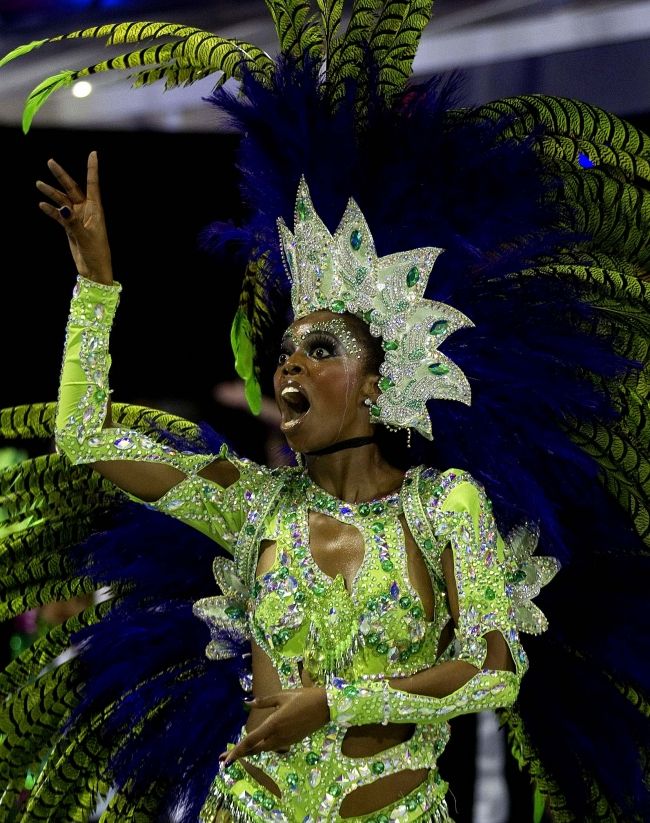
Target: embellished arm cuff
<point>84,390</point>
<point>364,702</point>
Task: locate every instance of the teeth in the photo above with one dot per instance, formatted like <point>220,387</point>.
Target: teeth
<point>290,390</point>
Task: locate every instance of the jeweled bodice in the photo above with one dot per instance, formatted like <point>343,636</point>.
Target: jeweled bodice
<point>299,614</point>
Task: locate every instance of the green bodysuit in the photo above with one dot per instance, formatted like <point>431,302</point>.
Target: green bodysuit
<point>350,642</point>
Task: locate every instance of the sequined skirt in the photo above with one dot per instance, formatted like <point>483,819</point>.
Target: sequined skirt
<point>246,801</point>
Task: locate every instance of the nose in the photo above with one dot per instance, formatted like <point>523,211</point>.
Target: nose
<point>292,365</point>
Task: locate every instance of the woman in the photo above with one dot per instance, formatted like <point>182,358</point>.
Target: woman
<point>377,603</point>
<point>338,579</point>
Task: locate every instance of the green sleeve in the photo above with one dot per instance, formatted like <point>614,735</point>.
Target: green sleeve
<point>84,390</point>
<point>80,434</point>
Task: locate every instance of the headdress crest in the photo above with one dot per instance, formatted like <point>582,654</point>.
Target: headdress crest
<point>342,273</point>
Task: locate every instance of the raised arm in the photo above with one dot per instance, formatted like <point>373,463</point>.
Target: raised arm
<point>84,429</point>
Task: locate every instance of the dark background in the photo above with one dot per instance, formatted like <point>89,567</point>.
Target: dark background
<point>170,343</point>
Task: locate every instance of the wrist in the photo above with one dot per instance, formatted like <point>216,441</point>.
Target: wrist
<point>105,279</point>
<point>358,703</point>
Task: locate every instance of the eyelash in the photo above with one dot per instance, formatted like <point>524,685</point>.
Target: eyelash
<point>321,341</point>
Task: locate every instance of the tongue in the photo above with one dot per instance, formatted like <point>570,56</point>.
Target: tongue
<point>297,403</point>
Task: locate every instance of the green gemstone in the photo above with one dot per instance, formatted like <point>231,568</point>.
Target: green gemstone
<point>301,209</point>
<point>438,490</point>
<point>488,504</point>
<point>350,691</point>
<point>385,383</point>
<point>414,648</point>
<point>417,612</point>
<point>283,573</point>
<point>428,544</point>
<point>372,639</point>
<point>268,804</point>
<point>100,395</point>
<point>364,509</point>
<point>293,780</point>
<point>490,593</point>
<point>258,795</point>
<point>378,526</point>
<point>404,656</point>
<point>375,411</point>
<point>250,529</point>
<point>411,805</point>
<point>405,602</point>
<point>377,508</point>
<point>412,277</point>
<point>312,758</point>
<point>517,577</point>
<point>371,603</point>
<point>299,597</point>
<point>355,239</point>
<point>334,790</point>
<point>387,565</point>
<point>332,506</point>
<point>439,327</point>
<point>300,552</point>
<point>439,368</point>
<point>235,771</point>
<point>285,669</point>
<point>319,589</point>
<point>338,306</point>
<point>383,818</point>
<point>234,612</point>
<point>382,648</point>
<point>390,345</point>
<point>378,767</point>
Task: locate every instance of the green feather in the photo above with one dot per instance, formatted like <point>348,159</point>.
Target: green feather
<point>242,346</point>
<point>40,94</point>
<point>18,52</point>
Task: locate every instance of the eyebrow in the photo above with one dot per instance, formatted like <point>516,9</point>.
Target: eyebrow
<point>336,327</point>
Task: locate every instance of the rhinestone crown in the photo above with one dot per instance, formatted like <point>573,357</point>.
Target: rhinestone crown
<point>342,273</point>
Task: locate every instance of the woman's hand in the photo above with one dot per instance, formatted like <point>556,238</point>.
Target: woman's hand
<point>298,712</point>
<point>82,216</point>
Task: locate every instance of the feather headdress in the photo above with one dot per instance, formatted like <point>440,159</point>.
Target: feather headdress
<point>542,206</point>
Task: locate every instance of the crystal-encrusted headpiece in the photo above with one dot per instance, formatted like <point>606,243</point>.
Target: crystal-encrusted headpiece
<point>342,273</point>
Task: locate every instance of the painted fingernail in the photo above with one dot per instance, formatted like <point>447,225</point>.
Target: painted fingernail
<point>65,212</point>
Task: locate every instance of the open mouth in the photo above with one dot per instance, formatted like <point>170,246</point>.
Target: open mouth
<point>294,406</point>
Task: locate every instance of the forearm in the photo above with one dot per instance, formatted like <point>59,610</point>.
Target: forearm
<point>430,696</point>
<point>83,406</point>
<point>84,391</point>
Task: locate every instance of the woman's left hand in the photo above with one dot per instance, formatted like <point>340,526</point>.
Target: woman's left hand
<point>297,713</point>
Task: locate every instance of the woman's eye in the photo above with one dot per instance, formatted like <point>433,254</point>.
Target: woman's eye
<point>319,352</point>
<point>283,357</point>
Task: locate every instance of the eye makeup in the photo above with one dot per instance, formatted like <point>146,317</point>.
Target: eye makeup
<point>336,331</point>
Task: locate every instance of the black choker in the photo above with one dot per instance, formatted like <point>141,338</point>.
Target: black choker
<point>352,443</point>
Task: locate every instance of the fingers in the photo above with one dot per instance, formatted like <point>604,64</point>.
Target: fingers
<point>248,745</point>
<point>61,215</point>
<point>271,701</point>
<point>54,194</point>
<point>92,180</point>
<point>69,186</point>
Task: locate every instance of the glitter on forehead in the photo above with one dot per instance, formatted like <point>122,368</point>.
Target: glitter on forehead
<point>336,326</point>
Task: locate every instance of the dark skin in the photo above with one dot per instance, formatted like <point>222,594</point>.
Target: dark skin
<point>337,383</point>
